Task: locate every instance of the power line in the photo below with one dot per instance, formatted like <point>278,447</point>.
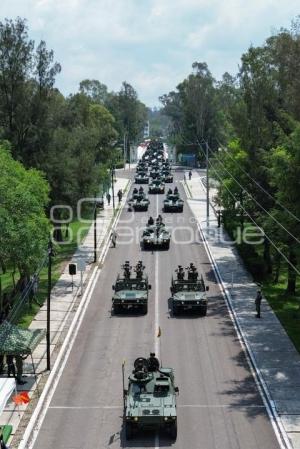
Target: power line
<point>254,199</point>
<point>253,221</point>
<point>257,183</point>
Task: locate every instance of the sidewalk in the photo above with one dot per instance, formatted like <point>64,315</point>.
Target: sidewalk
<point>64,303</point>
<point>273,355</point>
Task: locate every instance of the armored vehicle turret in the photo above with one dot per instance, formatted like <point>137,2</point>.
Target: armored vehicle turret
<point>155,236</point>
<point>150,399</point>
<point>131,291</point>
<point>156,186</point>
<point>188,292</point>
<point>172,203</point>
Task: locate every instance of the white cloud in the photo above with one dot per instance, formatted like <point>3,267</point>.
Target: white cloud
<point>150,43</point>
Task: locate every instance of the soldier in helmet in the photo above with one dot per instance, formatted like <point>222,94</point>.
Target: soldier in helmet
<point>150,221</point>
<point>153,362</point>
<point>159,220</point>
<point>180,273</point>
<point>135,190</point>
<point>127,269</point>
<point>139,268</point>
<point>176,190</point>
<point>192,272</point>
<point>170,191</point>
<point>141,190</point>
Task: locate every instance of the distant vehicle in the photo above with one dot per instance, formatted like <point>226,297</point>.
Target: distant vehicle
<point>131,293</point>
<point>189,294</point>
<point>156,237</point>
<point>156,186</point>
<point>172,203</point>
<point>150,399</point>
<point>141,178</point>
<point>167,176</point>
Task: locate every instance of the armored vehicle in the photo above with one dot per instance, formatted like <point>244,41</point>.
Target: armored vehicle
<point>167,176</point>
<point>139,201</point>
<point>156,186</point>
<point>172,203</point>
<point>131,292</point>
<point>155,173</point>
<point>141,177</point>
<point>156,237</point>
<point>189,294</point>
<point>150,399</point>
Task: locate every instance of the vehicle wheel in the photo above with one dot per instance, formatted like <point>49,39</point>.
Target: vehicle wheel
<point>173,431</point>
<point>204,311</point>
<point>175,310</point>
<point>145,309</point>
<point>167,245</point>
<point>128,431</point>
<point>117,310</point>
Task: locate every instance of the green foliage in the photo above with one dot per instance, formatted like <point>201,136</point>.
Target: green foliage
<point>24,226</point>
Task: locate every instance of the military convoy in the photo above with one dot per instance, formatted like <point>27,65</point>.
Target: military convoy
<point>131,292</point>
<point>188,293</point>
<point>150,399</point>
<point>155,235</point>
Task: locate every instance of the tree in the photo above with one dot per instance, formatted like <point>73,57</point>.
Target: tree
<point>24,226</point>
<point>95,90</point>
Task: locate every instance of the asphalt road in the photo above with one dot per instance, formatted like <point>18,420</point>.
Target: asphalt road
<point>219,406</point>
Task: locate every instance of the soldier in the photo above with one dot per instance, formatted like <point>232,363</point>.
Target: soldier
<point>153,362</point>
<point>150,221</point>
<point>180,273</point>
<point>139,269</point>
<point>258,300</point>
<point>159,220</point>
<point>120,194</point>
<point>170,191</point>
<point>141,190</point>
<point>113,238</point>
<point>190,175</point>
<point>176,191</point>
<point>192,272</point>
<point>135,190</point>
<point>108,197</point>
<point>127,269</point>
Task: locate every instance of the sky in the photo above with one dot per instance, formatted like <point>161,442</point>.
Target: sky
<point>151,44</point>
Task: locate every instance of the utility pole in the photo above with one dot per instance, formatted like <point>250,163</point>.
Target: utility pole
<point>95,232</point>
<point>50,255</point>
<point>207,185</point>
<point>112,186</point>
<point>125,148</point>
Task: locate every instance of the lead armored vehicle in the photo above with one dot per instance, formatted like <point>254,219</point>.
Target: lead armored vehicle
<point>155,236</point>
<point>150,399</point>
<point>156,186</point>
<point>188,292</point>
<point>172,203</point>
<point>131,291</point>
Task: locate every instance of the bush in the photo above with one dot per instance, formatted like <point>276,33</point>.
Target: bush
<point>254,263</point>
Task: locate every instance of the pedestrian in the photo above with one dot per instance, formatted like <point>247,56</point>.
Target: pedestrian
<point>190,175</point>
<point>108,197</point>
<point>113,238</point>
<point>258,300</point>
<point>19,367</point>
<point>120,194</point>
<point>11,369</point>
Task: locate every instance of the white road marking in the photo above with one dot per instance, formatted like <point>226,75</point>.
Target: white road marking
<point>156,320</point>
<point>119,407</point>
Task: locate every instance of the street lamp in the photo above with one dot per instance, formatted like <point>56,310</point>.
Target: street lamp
<point>50,255</point>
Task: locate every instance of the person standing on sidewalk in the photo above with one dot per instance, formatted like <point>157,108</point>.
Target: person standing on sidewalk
<point>108,197</point>
<point>258,300</point>
<point>190,175</point>
<point>113,238</point>
<point>120,194</point>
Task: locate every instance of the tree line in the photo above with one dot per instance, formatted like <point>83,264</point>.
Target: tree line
<point>54,149</point>
<point>251,122</point>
